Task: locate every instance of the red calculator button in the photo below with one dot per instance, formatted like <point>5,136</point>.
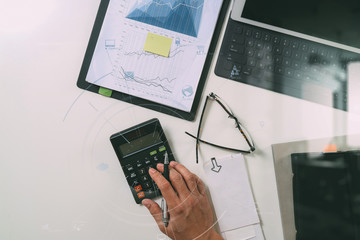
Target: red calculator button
<point>138,188</point>
<point>141,194</point>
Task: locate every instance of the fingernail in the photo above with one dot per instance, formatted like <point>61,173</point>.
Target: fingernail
<point>173,163</point>
<point>151,170</point>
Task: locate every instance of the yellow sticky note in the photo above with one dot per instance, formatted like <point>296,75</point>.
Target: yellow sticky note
<point>157,44</point>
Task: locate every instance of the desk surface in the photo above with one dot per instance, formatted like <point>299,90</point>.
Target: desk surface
<point>59,176</point>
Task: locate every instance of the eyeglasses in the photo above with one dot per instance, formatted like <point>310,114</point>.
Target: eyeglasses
<point>244,133</point>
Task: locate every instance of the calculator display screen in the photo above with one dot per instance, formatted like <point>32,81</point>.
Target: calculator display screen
<point>140,143</point>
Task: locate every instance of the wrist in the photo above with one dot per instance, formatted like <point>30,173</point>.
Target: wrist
<point>216,236</point>
<point>212,235</point>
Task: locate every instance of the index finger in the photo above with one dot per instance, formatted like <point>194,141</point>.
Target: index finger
<point>190,178</point>
<point>165,187</point>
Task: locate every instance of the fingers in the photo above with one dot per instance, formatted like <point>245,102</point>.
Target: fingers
<point>190,178</point>
<point>165,187</point>
<point>177,182</point>
<point>155,211</point>
<point>200,186</point>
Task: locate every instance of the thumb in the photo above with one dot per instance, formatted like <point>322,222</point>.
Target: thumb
<point>154,210</point>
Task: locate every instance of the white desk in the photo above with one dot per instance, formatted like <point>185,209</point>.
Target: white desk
<point>59,176</point>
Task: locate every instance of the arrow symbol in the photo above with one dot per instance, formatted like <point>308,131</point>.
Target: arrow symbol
<point>216,168</point>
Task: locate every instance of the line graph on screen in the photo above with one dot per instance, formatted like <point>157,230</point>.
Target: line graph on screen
<point>134,69</point>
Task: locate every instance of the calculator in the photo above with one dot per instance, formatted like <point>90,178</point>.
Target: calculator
<point>138,148</point>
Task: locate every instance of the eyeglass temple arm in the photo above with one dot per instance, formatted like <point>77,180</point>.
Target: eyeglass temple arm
<point>252,147</point>
<point>215,145</point>
<point>199,129</point>
<point>231,115</point>
<point>217,99</point>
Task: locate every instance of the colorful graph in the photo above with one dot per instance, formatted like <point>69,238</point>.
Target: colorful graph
<point>182,16</point>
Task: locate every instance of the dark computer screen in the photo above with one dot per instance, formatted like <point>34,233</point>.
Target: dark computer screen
<point>326,193</point>
<point>334,20</point>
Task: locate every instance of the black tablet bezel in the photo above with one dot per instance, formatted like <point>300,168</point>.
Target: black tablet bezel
<point>83,84</point>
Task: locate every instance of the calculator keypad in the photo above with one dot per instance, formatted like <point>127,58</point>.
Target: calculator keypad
<point>136,171</point>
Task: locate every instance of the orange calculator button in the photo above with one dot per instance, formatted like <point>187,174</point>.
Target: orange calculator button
<point>138,188</point>
<point>141,194</point>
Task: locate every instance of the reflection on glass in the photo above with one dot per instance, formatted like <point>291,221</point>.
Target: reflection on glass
<point>326,192</point>
<point>354,87</point>
<point>333,20</point>
<point>292,65</point>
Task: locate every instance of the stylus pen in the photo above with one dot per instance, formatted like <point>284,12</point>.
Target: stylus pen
<point>164,212</point>
<point>164,207</point>
<point>166,166</point>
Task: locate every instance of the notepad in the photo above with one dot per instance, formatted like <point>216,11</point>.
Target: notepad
<point>232,197</point>
<point>158,44</point>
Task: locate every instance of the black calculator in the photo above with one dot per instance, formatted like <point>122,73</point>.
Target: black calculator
<point>138,148</point>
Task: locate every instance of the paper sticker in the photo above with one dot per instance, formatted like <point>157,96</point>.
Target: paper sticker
<point>157,44</point>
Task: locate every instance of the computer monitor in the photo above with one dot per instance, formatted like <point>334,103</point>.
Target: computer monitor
<point>326,193</point>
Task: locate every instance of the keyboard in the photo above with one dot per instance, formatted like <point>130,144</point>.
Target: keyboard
<point>136,170</point>
<point>285,64</point>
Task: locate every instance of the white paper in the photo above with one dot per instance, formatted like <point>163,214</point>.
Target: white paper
<point>231,193</point>
<point>259,233</point>
<point>243,233</point>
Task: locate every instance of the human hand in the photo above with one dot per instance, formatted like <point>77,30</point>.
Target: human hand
<point>190,213</point>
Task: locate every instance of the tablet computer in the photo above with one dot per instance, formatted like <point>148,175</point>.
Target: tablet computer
<point>153,53</point>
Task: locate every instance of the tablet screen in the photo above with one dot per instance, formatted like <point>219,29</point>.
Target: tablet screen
<point>154,49</point>
<point>333,20</point>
